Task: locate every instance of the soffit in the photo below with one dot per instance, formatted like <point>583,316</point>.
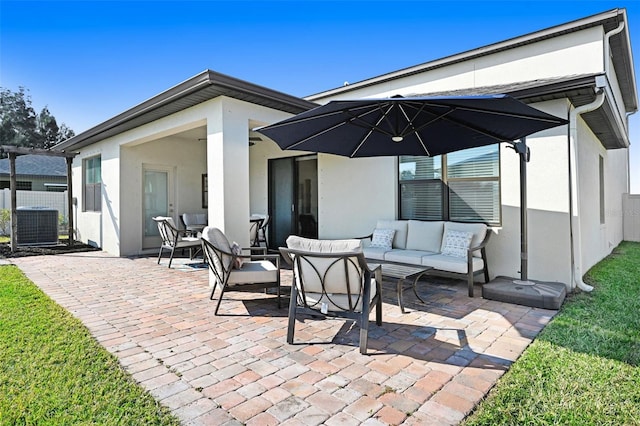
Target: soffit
<point>580,90</point>
<point>201,88</point>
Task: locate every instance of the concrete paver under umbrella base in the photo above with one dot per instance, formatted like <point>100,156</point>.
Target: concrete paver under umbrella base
<point>431,365</point>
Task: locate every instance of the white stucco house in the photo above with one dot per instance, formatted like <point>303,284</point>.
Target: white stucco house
<point>192,149</point>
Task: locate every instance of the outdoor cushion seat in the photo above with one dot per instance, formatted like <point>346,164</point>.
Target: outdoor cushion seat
<point>406,256</point>
<point>174,238</point>
<point>447,247</point>
<point>331,277</point>
<point>256,271</point>
<point>453,264</point>
<point>374,253</point>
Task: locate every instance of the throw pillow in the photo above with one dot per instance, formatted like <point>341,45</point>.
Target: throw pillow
<point>382,238</point>
<point>235,249</point>
<point>456,243</point>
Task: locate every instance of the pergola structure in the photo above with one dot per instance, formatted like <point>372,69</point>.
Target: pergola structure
<point>13,152</point>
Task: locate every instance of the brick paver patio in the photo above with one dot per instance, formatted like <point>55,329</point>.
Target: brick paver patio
<point>431,365</point>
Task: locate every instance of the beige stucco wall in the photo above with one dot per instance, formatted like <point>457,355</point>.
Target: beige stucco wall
<point>548,172</point>
<point>224,156</point>
<point>355,193</point>
<point>571,54</point>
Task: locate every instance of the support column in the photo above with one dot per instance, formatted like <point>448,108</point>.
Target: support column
<point>70,201</point>
<point>14,208</point>
<point>228,170</point>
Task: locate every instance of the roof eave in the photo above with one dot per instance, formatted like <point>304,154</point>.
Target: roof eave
<point>190,87</point>
<point>608,19</point>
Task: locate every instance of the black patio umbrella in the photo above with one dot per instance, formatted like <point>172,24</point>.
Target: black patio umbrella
<point>409,126</point>
<point>417,126</point>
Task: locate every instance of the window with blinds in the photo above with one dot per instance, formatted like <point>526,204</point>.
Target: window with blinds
<point>92,185</point>
<point>463,186</point>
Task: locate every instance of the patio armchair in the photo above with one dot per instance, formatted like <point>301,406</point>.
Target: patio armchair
<point>255,223</point>
<point>233,271</point>
<point>194,222</point>
<point>174,238</point>
<point>262,231</point>
<point>331,277</point>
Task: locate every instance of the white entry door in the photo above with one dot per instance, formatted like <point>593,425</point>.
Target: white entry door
<point>158,200</point>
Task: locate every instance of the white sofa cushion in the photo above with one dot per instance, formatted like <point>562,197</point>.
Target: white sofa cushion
<point>375,253</point>
<point>400,237</point>
<point>452,264</point>
<point>479,232</point>
<point>406,256</point>
<point>424,235</point>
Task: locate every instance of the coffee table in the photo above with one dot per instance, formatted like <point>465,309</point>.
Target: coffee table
<point>401,273</point>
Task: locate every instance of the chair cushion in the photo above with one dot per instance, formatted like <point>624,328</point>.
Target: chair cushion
<point>188,242</point>
<point>424,235</point>
<point>220,242</point>
<point>451,263</point>
<point>382,238</point>
<point>456,243</point>
<point>400,237</point>
<point>254,271</point>
<point>324,246</point>
<point>337,302</point>
<point>479,231</point>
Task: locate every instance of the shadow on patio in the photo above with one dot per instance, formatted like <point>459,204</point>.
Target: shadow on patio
<point>431,365</point>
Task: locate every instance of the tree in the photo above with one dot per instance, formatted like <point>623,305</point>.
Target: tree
<point>20,125</point>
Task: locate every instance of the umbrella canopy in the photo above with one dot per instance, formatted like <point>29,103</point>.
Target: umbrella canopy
<point>418,126</point>
<point>409,126</point>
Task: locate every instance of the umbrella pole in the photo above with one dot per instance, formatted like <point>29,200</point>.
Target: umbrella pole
<point>524,232</point>
<point>523,151</point>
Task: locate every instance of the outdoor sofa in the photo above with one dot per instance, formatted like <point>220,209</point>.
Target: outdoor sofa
<point>447,247</point>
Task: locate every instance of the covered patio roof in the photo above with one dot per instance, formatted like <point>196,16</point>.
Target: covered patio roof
<point>200,88</point>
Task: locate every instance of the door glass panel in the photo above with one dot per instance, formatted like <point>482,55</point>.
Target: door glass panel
<point>307,197</point>
<point>281,201</point>
<point>156,200</point>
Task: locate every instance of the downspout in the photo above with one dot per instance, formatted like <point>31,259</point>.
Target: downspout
<point>574,196</point>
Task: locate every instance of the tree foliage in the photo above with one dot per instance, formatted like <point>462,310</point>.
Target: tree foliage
<point>20,125</point>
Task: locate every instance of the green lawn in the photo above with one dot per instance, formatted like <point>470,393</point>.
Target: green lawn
<point>584,368</point>
<point>52,372</point>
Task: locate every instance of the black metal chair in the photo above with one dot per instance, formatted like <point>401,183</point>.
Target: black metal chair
<point>331,277</point>
<point>174,238</point>
<point>237,272</point>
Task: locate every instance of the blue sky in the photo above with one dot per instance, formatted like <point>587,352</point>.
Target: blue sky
<point>90,60</point>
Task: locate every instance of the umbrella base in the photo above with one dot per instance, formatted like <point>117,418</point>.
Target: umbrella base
<point>536,294</point>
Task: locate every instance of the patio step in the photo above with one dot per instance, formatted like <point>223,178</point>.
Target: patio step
<point>536,294</point>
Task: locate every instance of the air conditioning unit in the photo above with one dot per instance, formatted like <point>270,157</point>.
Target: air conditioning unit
<point>37,226</point>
